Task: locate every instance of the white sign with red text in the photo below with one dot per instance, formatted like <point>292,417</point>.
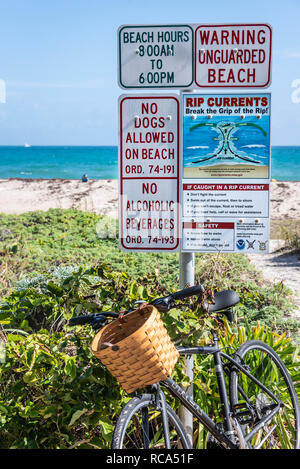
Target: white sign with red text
<point>150,172</point>
<point>233,55</point>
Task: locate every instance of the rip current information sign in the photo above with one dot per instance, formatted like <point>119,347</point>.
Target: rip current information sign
<point>226,135</point>
<point>226,170</point>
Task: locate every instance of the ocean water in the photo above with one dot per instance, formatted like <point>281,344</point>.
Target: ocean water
<point>48,162</point>
<point>59,162</point>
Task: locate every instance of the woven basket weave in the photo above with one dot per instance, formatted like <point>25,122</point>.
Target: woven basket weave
<point>145,355</point>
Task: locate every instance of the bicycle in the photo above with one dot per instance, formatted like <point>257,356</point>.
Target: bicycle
<point>261,410</point>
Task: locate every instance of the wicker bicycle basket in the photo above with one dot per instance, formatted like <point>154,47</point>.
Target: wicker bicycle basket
<point>136,349</point>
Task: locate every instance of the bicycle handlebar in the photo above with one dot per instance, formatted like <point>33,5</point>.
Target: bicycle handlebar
<point>97,318</point>
<point>162,304</point>
<point>186,292</point>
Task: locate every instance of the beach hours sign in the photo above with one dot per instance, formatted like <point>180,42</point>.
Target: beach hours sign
<point>149,165</point>
<point>156,56</point>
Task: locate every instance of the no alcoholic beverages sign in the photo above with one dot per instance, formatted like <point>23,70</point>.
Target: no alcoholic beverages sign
<point>149,165</point>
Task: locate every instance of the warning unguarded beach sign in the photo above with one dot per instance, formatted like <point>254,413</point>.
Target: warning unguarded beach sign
<point>231,56</point>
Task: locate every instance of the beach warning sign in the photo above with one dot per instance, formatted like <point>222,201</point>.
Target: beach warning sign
<point>150,169</point>
<point>226,135</point>
<point>226,217</point>
<point>194,55</point>
<point>226,171</point>
<point>233,55</point>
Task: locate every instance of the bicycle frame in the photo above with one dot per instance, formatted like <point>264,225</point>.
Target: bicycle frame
<point>222,436</point>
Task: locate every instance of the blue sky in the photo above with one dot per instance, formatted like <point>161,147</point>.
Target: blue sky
<point>59,63</point>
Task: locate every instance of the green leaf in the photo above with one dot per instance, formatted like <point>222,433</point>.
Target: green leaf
<point>70,366</point>
<point>76,416</point>
<point>106,429</point>
<point>30,378</point>
<point>55,289</point>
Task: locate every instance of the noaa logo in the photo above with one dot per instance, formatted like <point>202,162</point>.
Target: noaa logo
<point>240,244</point>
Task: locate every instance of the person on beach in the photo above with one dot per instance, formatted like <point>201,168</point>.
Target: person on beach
<point>85,178</point>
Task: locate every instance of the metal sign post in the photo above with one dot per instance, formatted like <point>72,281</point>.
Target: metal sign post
<point>187,277</point>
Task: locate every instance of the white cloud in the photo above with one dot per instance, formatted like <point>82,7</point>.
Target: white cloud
<point>288,53</point>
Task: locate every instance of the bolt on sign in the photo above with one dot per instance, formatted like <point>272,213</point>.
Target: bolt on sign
<point>150,170</point>
<point>157,56</point>
<point>233,55</point>
<point>226,161</point>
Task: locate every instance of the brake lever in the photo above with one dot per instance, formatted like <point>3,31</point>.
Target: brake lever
<point>163,304</point>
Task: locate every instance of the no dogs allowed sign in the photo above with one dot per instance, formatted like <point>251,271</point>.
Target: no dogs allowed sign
<point>150,170</point>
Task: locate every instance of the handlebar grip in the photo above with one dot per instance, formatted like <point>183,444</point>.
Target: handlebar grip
<point>186,292</point>
<point>81,320</point>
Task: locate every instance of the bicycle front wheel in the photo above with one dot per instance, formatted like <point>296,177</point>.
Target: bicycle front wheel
<point>252,404</point>
<point>140,426</point>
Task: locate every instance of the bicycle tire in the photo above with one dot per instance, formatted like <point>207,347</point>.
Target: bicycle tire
<point>128,433</point>
<point>264,363</point>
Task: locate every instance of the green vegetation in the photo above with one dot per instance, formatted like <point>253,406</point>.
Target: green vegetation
<point>287,230</point>
<point>53,392</point>
<point>51,242</point>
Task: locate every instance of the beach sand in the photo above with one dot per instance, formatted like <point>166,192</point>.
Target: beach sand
<point>24,195</point>
<point>101,196</point>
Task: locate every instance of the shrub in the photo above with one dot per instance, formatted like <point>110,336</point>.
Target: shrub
<point>55,393</point>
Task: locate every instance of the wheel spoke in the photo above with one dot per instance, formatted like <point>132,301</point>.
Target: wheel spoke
<point>142,428</point>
